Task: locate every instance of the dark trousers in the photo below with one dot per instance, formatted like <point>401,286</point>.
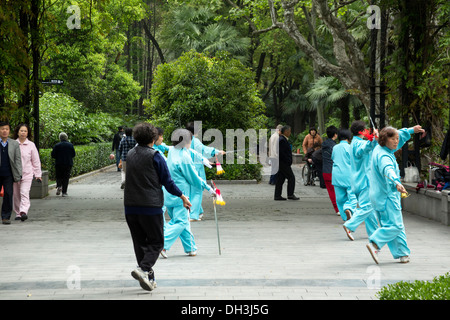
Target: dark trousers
<point>7,183</point>
<point>321,180</point>
<point>147,233</point>
<point>285,172</point>
<point>62,177</point>
<point>117,159</point>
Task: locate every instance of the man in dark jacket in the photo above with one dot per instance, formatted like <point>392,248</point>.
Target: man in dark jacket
<point>284,167</point>
<point>63,152</point>
<point>10,169</point>
<point>115,145</point>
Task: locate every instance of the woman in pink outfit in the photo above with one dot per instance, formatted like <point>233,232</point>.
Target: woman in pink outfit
<point>31,166</point>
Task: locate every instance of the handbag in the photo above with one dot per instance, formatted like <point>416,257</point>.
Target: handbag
<point>425,142</point>
<point>412,173</point>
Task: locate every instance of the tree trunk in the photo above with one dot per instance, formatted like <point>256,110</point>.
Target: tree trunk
<point>35,44</point>
<point>351,69</point>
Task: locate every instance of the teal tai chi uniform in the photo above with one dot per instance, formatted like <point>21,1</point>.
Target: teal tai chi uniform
<point>386,200</point>
<point>362,167</point>
<point>184,174</point>
<point>360,155</point>
<point>197,193</point>
<point>340,178</point>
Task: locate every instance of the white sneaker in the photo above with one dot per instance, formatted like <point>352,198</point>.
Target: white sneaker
<point>192,253</point>
<point>143,278</point>
<point>404,259</point>
<point>338,213</point>
<point>348,232</point>
<point>164,254</point>
<point>373,251</point>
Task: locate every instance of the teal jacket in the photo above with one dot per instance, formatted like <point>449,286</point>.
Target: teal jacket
<point>340,174</point>
<point>385,173</point>
<point>184,174</point>
<point>360,155</point>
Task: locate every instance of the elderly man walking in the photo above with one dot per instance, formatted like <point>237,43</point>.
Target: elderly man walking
<point>284,167</point>
<point>63,152</point>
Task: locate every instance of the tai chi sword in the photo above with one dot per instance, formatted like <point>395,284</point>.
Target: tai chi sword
<point>215,215</point>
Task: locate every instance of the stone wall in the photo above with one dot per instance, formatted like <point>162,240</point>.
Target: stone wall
<point>428,203</point>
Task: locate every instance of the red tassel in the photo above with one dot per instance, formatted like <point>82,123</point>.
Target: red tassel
<point>366,133</point>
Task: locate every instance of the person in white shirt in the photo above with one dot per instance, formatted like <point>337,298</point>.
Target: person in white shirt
<point>273,154</point>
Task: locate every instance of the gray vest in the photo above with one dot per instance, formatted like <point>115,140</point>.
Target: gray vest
<point>142,184</point>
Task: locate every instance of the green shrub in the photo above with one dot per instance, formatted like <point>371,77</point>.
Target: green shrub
<point>236,172</point>
<point>88,158</point>
<point>62,113</point>
<point>437,289</point>
<point>218,91</point>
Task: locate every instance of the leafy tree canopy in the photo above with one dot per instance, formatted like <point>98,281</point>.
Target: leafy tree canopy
<point>219,91</point>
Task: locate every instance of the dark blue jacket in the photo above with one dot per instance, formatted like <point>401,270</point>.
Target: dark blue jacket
<point>63,152</point>
<point>327,149</point>
<point>284,152</point>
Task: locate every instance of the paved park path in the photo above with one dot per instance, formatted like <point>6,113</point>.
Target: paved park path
<point>79,247</point>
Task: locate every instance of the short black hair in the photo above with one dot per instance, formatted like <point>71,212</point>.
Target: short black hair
<point>192,127</point>
<point>311,129</point>
<point>344,134</point>
<point>144,133</point>
<point>160,131</point>
<point>16,131</point>
<point>331,131</point>
<point>357,126</point>
<point>5,123</point>
<point>128,131</point>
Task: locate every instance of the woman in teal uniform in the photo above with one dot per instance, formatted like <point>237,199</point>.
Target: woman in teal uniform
<point>385,195</point>
<point>205,152</point>
<point>360,155</point>
<point>184,174</point>
<point>345,198</point>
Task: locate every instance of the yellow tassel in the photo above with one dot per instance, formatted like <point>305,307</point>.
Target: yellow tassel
<point>219,169</point>
<point>219,200</point>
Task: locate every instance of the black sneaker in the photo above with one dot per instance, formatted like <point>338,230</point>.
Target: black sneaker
<point>23,216</point>
<point>293,197</point>
<point>279,198</point>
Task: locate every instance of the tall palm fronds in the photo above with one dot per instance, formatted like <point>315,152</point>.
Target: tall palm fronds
<point>329,93</point>
<point>195,28</point>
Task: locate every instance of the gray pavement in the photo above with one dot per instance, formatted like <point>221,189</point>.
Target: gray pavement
<point>79,247</point>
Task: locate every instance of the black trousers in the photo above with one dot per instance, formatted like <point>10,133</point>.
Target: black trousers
<point>285,172</point>
<point>62,177</point>
<point>7,183</point>
<point>147,233</point>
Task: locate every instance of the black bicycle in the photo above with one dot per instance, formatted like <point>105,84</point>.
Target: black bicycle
<point>309,174</point>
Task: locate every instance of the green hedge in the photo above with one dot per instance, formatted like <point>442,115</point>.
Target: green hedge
<point>437,289</point>
<point>95,156</point>
<point>235,172</point>
<point>88,158</point>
